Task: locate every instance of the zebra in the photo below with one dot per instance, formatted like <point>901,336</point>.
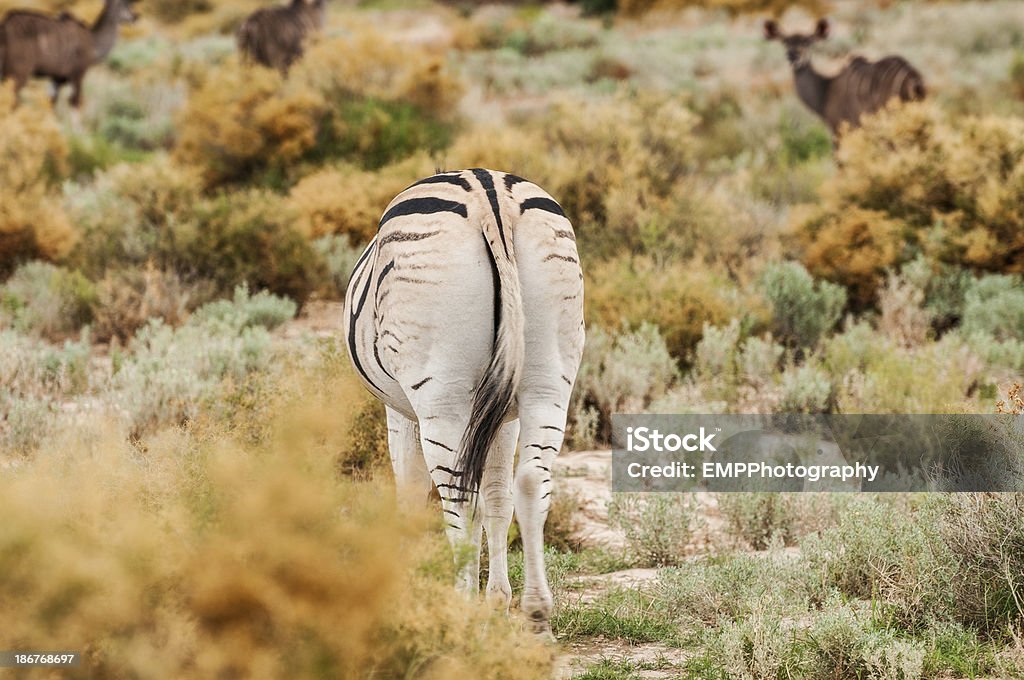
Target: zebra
<point>464,315</point>
<point>275,36</point>
<point>862,87</point>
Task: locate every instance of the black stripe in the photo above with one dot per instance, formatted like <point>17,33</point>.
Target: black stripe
<point>376,356</point>
<point>497,288</point>
<point>567,382</point>
<point>447,448</point>
<point>456,179</point>
<point>384,272</point>
<point>353,316</point>
<point>542,448</point>
<point>512,180</point>
<point>423,206</point>
<point>542,497</point>
<point>406,236</point>
<point>552,427</point>
<point>421,383</point>
<point>487,182</point>
<point>442,468</point>
<point>541,203</point>
<point>565,233</point>
<point>362,258</point>
<point>451,512</point>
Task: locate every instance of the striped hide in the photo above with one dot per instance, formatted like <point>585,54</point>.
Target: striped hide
<point>465,317</point>
<point>861,88</point>
<point>275,36</point>
<point>59,48</point>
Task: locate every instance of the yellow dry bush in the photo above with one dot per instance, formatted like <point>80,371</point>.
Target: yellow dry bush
<point>618,167</point>
<point>369,65</point>
<point>679,297</point>
<point>348,200</point>
<point>196,557</point>
<point>33,158</point>
<point>854,248</point>
<point>243,120</point>
<point>912,181</point>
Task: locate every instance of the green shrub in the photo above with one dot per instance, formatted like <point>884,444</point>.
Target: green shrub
<point>659,527</point>
<point>759,518</point>
<point>678,297</point>
<point>46,300</point>
<point>171,373</point>
<point>619,373</point>
<point>245,311</point>
<point>881,552</point>
<point>994,305</point>
<point>339,257</point>
<point>713,591</point>
<point>806,389</point>
<point>985,535</point>
<point>248,238</point>
<point>802,310</point>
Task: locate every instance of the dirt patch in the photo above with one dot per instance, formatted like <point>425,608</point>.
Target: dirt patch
<point>653,660</point>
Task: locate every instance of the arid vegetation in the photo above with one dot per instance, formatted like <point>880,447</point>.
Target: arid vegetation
<point>172,376</point>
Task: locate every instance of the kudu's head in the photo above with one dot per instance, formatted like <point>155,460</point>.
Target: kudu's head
<point>125,13</point>
<point>798,45</point>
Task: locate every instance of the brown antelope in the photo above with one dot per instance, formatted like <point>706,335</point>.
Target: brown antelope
<point>61,49</point>
<point>274,36</point>
<point>862,87</point>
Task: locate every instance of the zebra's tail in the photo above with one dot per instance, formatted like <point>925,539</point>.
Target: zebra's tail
<point>496,391</point>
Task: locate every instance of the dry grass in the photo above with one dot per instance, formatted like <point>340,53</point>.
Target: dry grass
<point>191,555</point>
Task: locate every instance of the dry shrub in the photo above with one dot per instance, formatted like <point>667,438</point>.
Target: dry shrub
<point>371,66</point>
<point>130,214</point>
<point>678,297</point>
<point>349,201</point>
<point>361,98</point>
<point>620,168</point>
<point>915,182</point>
<point>128,298</point>
<point>246,120</point>
<point>193,557</point>
<point>853,248</point>
<point>32,222</point>
<point>904,318</point>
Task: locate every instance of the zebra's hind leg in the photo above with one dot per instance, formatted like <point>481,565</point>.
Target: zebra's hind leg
<point>440,437</point>
<point>496,499</point>
<point>412,481</point>
<point>543,427</point>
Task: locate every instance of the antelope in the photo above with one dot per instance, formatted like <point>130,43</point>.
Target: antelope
<point>862,87</point>
<point>274,36</point>
<point>61,49</point>
<point>465,317</point>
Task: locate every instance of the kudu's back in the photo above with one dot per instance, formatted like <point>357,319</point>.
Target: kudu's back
<point>275,36</point>
<point>36,45</point>
<point>864,87</point>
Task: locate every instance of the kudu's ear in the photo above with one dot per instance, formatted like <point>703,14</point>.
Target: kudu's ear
<point>821,29</point>
<point>771,30</point>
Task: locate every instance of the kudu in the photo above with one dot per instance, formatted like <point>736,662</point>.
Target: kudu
<point>61,49</point>
<point>862,87</point>
<point>275,36</point>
